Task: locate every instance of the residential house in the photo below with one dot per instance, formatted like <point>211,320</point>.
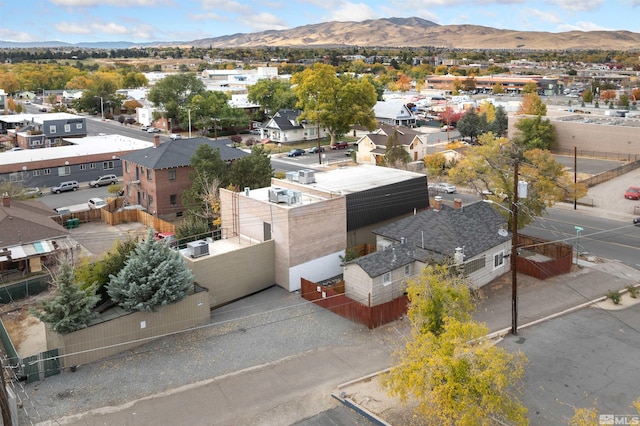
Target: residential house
<point>284,127</point>
<point>29,237</point>
<point>373,146</point>
<point>156,177</point>
<point>394,113</point>
<point>473,237</point>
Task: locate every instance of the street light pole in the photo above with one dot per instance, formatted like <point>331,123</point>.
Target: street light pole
<point>189,113</point>
<point>101,106</point>
<point>578,229</point>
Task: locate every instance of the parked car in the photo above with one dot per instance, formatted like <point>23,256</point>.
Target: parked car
<point>447,128</point>
<point>43,109</point>
<point>71,185</point>
<point>96,203</point>
<point>295,152</point>
<point>633,193</point>
<point>167,238</point>
<point>175,136</point>
<point>104,180</point>
<point>443,187</point>
<point>340,145</point>
<point>144,128</point>
<point>636,221</point>
<point>349,152</point>
<point>32,192</point>
<point>315,150</point>
<point>153,130</point>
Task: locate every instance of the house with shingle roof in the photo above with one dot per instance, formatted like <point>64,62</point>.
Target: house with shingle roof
<point>372,147</point>
<point>394,113</point>
<point>156,177</point>
<point>472,236</point>
<point>284,127</point>
<point>28,236</point>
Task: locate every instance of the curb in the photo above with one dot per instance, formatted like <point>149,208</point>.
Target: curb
<point>495,335</point>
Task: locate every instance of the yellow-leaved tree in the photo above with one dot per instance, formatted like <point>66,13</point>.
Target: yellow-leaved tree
<point>456,376</point>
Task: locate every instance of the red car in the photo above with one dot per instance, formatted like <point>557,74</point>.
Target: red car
<point>633,193</point>
<point>340,145</point>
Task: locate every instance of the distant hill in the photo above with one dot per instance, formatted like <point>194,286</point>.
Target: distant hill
<point>391,32</point>
<point>416,32</point>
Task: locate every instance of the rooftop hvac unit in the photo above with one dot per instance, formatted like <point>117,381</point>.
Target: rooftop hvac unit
<point>280,195</point>
<point>198,248</point>
<point>292,176</point>
<point>307,176</point>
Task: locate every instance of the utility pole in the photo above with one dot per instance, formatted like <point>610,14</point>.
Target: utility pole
<point>514,253</point>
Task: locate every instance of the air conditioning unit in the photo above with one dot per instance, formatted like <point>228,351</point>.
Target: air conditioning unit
<point>307,176</point>
<point>198,248</point>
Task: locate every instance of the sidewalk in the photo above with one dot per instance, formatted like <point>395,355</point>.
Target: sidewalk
<point>300,386</point>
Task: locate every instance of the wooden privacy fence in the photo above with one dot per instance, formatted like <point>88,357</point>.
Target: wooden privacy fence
<point>560,257</point>
<point>331,298</point>
<point>111,217</point>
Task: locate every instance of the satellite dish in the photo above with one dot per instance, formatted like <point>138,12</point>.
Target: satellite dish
<point>502,232</point>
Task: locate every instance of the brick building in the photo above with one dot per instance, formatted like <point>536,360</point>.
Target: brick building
<point>156,177</point>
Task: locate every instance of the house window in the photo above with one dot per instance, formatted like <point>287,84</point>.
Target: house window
<point>36,173</point>
<point>67,128</point>
<point>83,167</point>
<point>64,171</point>
<point>386,278</point>
<point>173,200</point>
<point>498,259</point>
<point>474,265</point>
<point>47,172</point>
<point>107,165</point>
<point>407,270</point>
<point>150,200</point>
<point>172,175</point>
<point>79,126</point>
<point>126,166</point>
<point>92,165</point>
<point>52,130</point>
<point>149,175</point>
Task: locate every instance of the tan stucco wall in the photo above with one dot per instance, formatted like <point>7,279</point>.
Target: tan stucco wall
<point>591,137</point>
<point>120,334</point>
<point>301,233</point>
<point>232,275</point>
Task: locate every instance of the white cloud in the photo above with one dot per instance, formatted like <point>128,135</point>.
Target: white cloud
<point>543,15</point>
<point>12,35</point>
<point>72,28</point>
<point>120,3</point>
<point>225,6</point>
<point>577,5</point>
<point>263,21</point>
<point>584,26</point>
<point>206,17</point>
<point>348,11</point>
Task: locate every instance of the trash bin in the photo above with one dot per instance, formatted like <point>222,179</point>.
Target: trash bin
<point>69,223</point>
<point>76,222</point>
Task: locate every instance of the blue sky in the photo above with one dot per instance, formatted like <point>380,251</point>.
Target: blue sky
<point>76,21</point>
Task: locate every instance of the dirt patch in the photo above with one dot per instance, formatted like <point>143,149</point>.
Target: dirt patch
<point>26,331</point>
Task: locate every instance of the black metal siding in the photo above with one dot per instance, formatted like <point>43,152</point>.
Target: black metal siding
<point>386,202</point>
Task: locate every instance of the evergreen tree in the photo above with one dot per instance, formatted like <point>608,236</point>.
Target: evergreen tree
<point>395,155</point>
<point>71,308</point>
<point>154,275</point>
<point>253,171</point>
<point>500,122</point>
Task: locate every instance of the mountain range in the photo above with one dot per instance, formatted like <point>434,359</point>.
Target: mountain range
<point>392,32</point>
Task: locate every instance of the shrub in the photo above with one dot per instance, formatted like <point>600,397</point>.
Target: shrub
<point>633,291</point>
<point>614,296</point>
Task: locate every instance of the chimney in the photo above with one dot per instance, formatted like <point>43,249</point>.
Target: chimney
<point>437,202</point>
<point>156,140</point>
<point>457,203</point>
<point>6,200</point>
